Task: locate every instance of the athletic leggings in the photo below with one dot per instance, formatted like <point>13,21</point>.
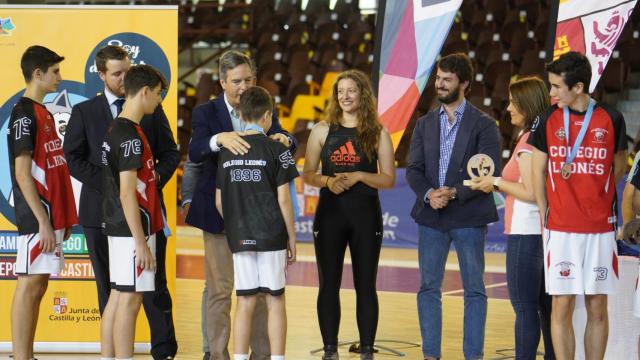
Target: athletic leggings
<point>352,219</point>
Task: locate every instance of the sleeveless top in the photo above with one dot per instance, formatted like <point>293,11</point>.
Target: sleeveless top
<point>341,153</point>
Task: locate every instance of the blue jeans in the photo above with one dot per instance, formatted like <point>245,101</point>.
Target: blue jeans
<point>532,305</point>
<point>433,249</point>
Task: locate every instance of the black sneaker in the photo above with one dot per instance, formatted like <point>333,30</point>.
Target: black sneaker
<point>366,352</point>
<point>330,353</point>
<point>206,356</point>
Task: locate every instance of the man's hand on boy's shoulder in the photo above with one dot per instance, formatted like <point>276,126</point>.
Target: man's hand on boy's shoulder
<point>281,138</point>
<point>233,142</point>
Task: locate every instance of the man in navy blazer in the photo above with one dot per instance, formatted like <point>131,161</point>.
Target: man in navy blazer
<point>443,142</point>
<point>83,150</point>
<point>216,124</point>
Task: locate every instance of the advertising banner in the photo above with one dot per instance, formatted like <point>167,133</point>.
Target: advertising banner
<point>591,27</point>
<point>400,230</point>
<point>69,318</point>
<point>412,35</point>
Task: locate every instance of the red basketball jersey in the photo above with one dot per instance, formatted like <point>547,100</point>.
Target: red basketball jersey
<point>585,202</point>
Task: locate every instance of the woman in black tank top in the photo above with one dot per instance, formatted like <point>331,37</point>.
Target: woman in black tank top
<point>357,159</point>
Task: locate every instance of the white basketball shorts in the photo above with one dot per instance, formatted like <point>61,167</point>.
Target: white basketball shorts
<point>260,271</point>
<point>30,259</point>
<point>125,275</point>
<point>577,264</point>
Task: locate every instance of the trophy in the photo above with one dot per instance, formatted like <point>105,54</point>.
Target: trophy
<point>479,165</point>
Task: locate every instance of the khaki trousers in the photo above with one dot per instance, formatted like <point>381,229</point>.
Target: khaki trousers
<point>219,274</point>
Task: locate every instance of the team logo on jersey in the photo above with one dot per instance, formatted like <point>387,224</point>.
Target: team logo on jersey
<point>6,27</point>
<point>565,268</point>
<point>599,135</point>
<point>286,159</point>
<point>345,155</point>
<point>601,273</point>
<point>60,303</point>
<point>560,134</point>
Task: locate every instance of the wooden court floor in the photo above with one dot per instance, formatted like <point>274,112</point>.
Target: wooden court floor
<point>398,281</point>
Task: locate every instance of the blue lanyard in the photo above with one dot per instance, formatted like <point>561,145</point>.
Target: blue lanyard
<point>254,127</point>
<point>583,129</point>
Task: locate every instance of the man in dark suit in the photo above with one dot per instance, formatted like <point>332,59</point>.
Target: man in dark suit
<point>216,124</point>
<point>443,142</point>
<point>83,150</point>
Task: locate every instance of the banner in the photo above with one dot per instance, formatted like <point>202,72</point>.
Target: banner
<point>69,318</point>
<point>591,27</point>
<point>413,34</point>
<point>400,230</point>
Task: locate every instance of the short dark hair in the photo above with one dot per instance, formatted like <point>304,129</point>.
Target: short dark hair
<point>254,102</point>
<point>459,64</point>
<point>574,67</point>
<point>38,57</point>
<point>109,52</point>
<point>232,59</point>
<point>140,76</point>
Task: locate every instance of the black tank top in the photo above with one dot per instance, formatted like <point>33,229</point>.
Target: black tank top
<point>341,153</point>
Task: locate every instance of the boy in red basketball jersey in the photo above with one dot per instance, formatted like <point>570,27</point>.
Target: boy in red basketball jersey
<point>131,211</point>
<point>579,154</point>
<point>42,194</point>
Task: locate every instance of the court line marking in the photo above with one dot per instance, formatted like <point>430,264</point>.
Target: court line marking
<point>409,264</point>
<point>458,291</point>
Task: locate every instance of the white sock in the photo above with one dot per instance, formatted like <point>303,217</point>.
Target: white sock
<point>240,356</point>
<point>124,358</point>
<point>277,357</point>
<point>110,358</point>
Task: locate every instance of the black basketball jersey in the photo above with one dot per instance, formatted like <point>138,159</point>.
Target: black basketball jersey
<point>125,147</point>
<point>249,183</point>
<point>341,153</point>
<point>32,128</point>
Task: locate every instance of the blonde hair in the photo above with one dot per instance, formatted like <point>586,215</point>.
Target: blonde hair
<point>369,125</point>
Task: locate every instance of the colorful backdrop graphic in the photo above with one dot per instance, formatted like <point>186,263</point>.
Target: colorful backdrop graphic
<point>69,317</point>
<point>412,36</point>
<point>591,27</point>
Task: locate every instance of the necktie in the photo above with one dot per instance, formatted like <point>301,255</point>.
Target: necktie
<point>118,103</point>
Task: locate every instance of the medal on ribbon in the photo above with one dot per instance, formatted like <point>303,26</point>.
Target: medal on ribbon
<point>571,155</point>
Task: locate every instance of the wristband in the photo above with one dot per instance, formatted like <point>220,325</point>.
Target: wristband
<point>326,183</point>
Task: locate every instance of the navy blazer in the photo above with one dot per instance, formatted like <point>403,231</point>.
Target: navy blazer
<point>208,120</point>
<point>82,146</point>
<point>477,134</point>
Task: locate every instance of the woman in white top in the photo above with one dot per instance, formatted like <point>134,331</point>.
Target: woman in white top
<point>528,97</point>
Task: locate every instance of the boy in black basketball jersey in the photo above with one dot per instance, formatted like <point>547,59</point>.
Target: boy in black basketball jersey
<point>42,194</point>
<point>131,211</point>
<point>253,196</point>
